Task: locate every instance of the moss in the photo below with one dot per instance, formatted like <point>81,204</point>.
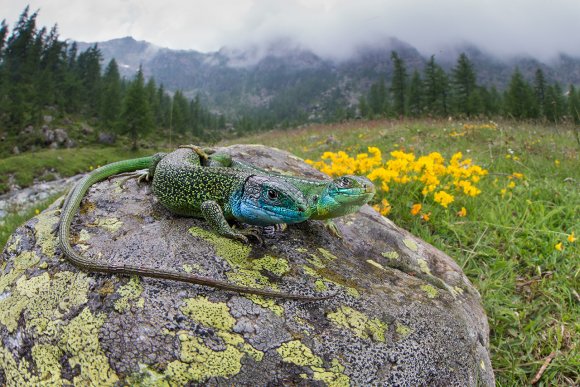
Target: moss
<point>129,292</point>
<point>43,230</point>
<point>430,290</point>
<point>109,224</point>
<point>211,314</point>
<point>411,244</point>
<point>359,323</point>
<point>80,339</point>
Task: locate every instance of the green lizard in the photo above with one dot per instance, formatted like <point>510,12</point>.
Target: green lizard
<point>185,188</point>
<point>328,199</point>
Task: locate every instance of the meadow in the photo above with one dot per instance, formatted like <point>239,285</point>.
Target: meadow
<point>502,199</point>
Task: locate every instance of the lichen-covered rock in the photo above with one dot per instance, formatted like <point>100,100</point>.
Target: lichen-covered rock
<point>404,313</point>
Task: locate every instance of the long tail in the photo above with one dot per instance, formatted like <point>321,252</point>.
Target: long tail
<point>71,205</point>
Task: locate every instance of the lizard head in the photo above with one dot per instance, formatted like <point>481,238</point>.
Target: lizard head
<point>266,200</point>
<point>344,195</point>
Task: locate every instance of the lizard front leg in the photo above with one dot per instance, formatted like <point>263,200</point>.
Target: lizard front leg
<point>212,212</point>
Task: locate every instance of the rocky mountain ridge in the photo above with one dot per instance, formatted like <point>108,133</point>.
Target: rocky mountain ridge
<point>234,79</point>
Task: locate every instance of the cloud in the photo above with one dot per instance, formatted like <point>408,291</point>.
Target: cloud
<point>330,27</point>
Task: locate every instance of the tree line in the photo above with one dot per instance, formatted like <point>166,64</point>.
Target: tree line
<point>436,93</point>
<point>40,73</point>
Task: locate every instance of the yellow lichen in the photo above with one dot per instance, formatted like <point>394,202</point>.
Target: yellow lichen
<point>375,264</point>
<point>403,330</point>
<point>411,244</point>
<point>43,231</point>
<point>80,339</point>
<point>430,290</point>
<point>47,360</point>
<point>197,362</point>
<point>211,314</point>
<point>109,224</point>
<point>246,272</point>
<point>277,266</point>
<point>296,352</point>
<point>327,254</point>
<point>129,292</point>
<point>42,300</point>
<point>390,254</point>
<point>22,262</point>
<point>424,266</point>
<point>359,323</point>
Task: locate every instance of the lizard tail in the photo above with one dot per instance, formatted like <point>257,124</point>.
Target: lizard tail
<point>71,205</point>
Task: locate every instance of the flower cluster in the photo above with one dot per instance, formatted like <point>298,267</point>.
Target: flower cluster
<point>429,174</point>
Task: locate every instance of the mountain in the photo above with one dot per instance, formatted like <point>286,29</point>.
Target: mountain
<point>283,76</point>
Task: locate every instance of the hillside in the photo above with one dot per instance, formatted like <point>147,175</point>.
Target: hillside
<point>235,80</point>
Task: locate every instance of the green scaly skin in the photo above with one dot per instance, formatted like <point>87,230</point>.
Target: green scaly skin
<point>168,181</point>
<point>328,199</point>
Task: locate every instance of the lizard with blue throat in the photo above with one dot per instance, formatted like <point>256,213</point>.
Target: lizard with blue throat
<point>186,188</point>
<point>327,199</point>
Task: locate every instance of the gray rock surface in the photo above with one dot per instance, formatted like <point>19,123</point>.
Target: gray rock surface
<point>404,313</point>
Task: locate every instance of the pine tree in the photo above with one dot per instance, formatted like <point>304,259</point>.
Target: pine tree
<point>555,103</point>
<point>136,118</point>
<point>540,92</point>
<point>464,86</point>
<point>110,110</point>
<point>415,95</point>
<point>519,97</point>
<point>89,73</point>
<point>435,89</point>
<point>399,84</point>
<point>574,104</point>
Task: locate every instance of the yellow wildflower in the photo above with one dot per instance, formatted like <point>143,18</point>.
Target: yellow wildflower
<point>571,238</point>
<point>559,246</point>
<point>518,175</point>
<point>91,168</point>
<point>37,211</point>
<point>462,213</point>
<point>503,192</point>
<point>415,209</point>
<point>511,184</point>
<point>443,198</point>
<point>426,217</point>
<point>557,162</point>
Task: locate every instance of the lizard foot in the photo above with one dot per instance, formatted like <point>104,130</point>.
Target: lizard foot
<point>333,228</point>
<point>197,149</point>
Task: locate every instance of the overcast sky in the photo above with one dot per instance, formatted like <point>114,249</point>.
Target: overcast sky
<point>541,28</point>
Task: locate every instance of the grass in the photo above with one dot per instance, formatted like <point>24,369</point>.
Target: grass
<point>22,169</point>
<point>506,244</point>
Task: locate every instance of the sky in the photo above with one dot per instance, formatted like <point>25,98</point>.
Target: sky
<point>331,28</point>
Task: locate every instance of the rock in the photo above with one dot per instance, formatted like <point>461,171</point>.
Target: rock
<point>48,119</point>
<point>15,150</point>
<point>404,313</point>
<point>60,136</point>
<point>107,138</point>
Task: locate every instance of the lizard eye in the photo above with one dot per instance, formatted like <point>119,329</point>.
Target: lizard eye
<point>315,198</point>
<point>272,194</point>
<point>343,182</point>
